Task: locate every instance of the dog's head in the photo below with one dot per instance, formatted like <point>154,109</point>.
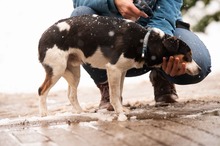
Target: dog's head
<point>163,45</point>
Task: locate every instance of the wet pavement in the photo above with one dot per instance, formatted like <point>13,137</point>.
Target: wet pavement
<point>184,131</point>
<point>194,121</point>
<point>181,125</point>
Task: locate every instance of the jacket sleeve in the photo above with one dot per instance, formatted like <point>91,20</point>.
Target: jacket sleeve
<point>165,15</point>
<point>100,6</point>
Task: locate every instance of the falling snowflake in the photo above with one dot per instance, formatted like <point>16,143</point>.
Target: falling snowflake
<point>111,33</point>
<point>153,57</point>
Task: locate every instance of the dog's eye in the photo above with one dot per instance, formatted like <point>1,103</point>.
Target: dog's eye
<point>188,57</point>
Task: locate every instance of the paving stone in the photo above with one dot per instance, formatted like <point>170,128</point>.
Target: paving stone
<point>6,139</point>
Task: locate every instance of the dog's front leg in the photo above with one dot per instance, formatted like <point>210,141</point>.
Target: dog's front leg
<point>114,79</point>
<point>122,84</point>
<point>43,91</point>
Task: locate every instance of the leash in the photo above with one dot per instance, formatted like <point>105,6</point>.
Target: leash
<point>144,50</point>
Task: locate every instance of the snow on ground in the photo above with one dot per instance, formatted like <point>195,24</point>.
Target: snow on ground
<point>22,24</point>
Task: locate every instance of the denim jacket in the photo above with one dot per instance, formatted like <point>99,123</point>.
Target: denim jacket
<point>165,12</point>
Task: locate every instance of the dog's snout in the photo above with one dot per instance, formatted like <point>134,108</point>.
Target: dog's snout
<point>193,68</point>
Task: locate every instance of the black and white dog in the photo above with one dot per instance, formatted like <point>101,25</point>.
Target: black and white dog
<point>116,45</point>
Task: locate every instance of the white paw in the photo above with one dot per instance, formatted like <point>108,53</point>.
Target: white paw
<point>77,110</point>
<point>43,113</point>
<point>122,109</point>
<point>122,117</point>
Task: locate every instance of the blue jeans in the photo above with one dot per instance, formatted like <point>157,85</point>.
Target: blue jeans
<point>199,51</point>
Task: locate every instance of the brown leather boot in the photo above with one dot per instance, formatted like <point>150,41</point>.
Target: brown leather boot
<point>105,101</point>
<point>164,90</point>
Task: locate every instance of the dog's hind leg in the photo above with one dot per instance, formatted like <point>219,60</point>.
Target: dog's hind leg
<point>43,92</point>
<point>72,76</point>
<point>49,82</point>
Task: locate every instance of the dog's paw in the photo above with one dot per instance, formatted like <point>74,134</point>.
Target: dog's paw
<point>77,110</point>
<point>122,109</point>
<point>122,117</point>
<point>43,113</point>
<point>90,110</point>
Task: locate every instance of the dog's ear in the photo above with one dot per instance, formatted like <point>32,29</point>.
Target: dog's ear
<point>185,49</point>
<point>174,45</point>
<point>183,46</point>
<point>171,43</point>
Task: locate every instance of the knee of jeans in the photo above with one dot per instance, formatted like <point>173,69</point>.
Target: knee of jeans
<point>82,10</point>
<point>200,55</point>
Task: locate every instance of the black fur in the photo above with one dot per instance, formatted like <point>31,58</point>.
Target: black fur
<point>87,33</point>
<point>114,36</point>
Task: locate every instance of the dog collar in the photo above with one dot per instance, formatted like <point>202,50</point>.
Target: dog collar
<point>144,50</point>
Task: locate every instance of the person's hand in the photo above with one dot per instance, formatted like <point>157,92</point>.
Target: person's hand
<point>128,10</point>
<point>173,66</point>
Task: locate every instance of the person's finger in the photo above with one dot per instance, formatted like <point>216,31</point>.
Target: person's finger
<point>128,14</point>
<point>175,68</point>
<point>128,10</point>
<point>182,70</point>
<point>169,65</point>
<point>136,12</point>
<point>164,63</point>
<point>144,14</point>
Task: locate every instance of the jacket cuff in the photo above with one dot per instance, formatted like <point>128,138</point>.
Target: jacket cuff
<point>111,6</point>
